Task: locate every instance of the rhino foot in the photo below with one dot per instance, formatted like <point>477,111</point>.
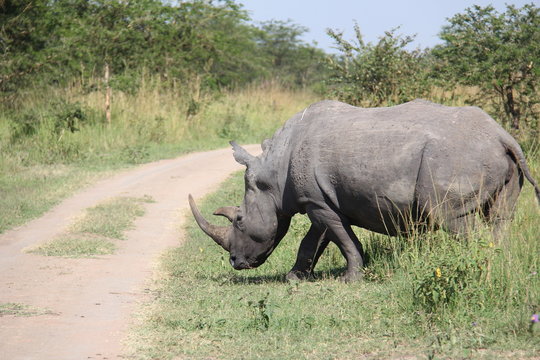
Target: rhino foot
<point>296,275</point>
<point>352,276</point>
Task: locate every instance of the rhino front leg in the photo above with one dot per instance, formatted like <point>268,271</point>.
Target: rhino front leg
<point>311,248</point>
<point>340,232</point>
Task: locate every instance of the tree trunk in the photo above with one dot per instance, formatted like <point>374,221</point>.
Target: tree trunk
<point>107,95</point>
<point>511,107</point>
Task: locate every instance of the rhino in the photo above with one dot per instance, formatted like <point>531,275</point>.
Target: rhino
<point>417,166</point>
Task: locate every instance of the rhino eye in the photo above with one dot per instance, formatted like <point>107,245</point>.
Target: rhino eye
<point>239,222</point>
<point>262,186</point>
<point>239,225</point>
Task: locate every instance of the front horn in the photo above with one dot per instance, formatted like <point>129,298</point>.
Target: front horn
<point>220,234</point>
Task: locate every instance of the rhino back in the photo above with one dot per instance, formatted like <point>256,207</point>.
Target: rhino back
<point>361,160</point>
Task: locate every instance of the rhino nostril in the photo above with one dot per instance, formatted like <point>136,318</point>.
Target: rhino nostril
<point>232,260</point>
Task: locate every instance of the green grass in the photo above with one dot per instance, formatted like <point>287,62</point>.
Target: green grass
<point>486,294</point>
<point>28,192</point>
<point>112,218</point>
<point>76,245</point>
<point>22,310</point>
<point>93,234</point>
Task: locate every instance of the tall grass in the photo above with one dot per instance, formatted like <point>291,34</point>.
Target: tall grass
<point>68,125</point>
<point>56,140</point>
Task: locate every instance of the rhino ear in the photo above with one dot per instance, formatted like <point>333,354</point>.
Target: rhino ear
<point>241,155</point>
<point>228,211</point>
<point>266,144</point>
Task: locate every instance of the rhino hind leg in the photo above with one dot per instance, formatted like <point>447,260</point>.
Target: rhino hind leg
<point>462,225</point>
<point>496,208</point>
<point>311,249</point>
<point>500,210</point>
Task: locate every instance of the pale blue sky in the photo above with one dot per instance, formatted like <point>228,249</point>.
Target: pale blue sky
<point>424,18</point>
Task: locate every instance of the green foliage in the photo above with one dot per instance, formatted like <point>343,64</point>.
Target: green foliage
<point>24,36</point>
<point>69,116</point>
<point>137,154</point>
<point>235,126</point>
<point>49,129</point>
<point>378,74</point>
<point>288,58</point>
<point>498,52</point>
<point>59,115</point>
<point>495,54</point>
<point>455,272</point>
<point>262,311</point>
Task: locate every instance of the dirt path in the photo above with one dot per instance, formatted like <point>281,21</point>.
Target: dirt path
<point>87,303</point>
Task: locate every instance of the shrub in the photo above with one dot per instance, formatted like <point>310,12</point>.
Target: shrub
<point>377,74</point>
<point>455,272</point>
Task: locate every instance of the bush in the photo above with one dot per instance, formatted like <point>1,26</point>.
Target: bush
<point>456,272</point>
<point>60,116</point>
<point>498,53</point>
<point>382,74</point>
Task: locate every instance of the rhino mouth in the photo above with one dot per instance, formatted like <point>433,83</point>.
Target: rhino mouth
<point>240,264</point>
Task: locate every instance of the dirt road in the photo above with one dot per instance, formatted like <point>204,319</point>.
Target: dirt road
<point>83,307</point>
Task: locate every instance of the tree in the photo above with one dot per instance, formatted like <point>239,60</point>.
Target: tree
<point>196,43</point>
<point>22,31</point>
<point>381,73</point>
<point>498,53</point>
<point>286,55</point>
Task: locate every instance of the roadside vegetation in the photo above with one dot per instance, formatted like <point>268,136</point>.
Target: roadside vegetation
<point>428,296</point>
<point>94,233</point>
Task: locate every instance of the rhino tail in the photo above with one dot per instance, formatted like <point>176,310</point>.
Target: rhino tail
<point>515,151</point>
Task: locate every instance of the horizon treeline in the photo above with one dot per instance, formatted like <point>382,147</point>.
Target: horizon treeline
<point>212,42</point>
<point>211,45</point>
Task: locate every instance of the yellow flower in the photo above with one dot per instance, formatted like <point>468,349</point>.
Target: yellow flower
<point>438,272</point>
<point>491,244</point>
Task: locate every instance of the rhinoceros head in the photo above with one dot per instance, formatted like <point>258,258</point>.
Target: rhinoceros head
<point>256,227</point>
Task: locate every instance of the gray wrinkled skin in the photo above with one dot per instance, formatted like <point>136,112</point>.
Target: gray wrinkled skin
<point>417,166</point>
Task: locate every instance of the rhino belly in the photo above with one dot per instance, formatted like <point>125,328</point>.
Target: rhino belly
<point>374,187</point>
<point>384,208</point>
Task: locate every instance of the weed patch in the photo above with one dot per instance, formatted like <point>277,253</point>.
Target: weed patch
<point>112,218</point>
<point>22,310</point>
<point>92,234</point>
<point>76,245</point>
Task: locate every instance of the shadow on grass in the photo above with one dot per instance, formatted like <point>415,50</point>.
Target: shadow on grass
<point>239,279</point>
